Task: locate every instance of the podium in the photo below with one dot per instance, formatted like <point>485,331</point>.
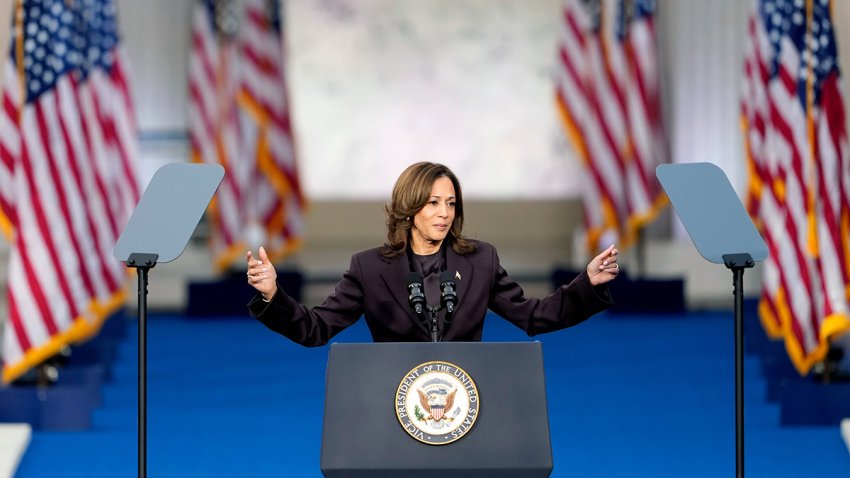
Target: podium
<point>503,432</point>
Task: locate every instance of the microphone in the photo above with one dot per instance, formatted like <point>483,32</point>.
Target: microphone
<point>415,297</point>
<point>448,296</point>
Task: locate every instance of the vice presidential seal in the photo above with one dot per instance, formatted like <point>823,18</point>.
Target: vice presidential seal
<point>437,403</point>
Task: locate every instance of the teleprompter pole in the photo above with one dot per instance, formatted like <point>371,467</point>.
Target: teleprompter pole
<point>737,263</point>
<point>143,263</point>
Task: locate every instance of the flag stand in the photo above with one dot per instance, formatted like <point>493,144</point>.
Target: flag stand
<point>723,233</point>
<point>162,223</point>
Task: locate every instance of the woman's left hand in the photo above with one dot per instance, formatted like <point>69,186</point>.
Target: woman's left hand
<point>261,274</point>
<point>604,268</point>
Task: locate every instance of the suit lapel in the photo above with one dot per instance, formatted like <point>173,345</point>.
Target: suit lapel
<point>461,270</point>
<point>395,279</point>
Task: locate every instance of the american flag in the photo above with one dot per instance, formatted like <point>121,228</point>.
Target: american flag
<point>608,94</point>
<point>793,122</point>
<point>239,118</point>
<point>67,175</point>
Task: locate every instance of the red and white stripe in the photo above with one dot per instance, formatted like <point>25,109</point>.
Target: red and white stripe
<point>239,117</point>
<point>10,149</point>
<point>608,93</point>
<point>800,200</point>
<point>71,190</point>
<point>213,123</point>
<point>648,143</point>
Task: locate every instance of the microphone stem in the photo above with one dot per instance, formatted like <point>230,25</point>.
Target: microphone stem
<point>435,334</point>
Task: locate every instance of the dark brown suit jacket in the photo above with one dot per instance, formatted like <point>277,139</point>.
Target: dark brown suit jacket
<point>375,287</point>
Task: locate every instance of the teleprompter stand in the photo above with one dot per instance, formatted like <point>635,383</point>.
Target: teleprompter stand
<point>724,234</point>
<point>158,231</point>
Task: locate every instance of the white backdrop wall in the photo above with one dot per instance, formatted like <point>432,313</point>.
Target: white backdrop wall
<point>378,84</point>
<point>703,44</point>
<point>467,83</point>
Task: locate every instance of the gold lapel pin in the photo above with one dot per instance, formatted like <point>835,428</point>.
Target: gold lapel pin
<point>457,275</point>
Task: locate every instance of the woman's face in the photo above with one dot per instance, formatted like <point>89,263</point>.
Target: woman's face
<point>433,222</point>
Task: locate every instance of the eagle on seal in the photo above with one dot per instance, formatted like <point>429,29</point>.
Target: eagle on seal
<point>436,402</point>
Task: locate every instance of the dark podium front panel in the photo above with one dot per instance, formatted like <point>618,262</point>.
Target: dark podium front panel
<point>363,435</point>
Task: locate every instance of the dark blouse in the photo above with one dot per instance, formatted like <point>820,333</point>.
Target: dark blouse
<point>430,267</point>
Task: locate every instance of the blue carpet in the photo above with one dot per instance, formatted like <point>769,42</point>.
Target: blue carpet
<point>636,396</point>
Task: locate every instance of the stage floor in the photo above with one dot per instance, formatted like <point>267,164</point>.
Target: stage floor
<point>638,396</point>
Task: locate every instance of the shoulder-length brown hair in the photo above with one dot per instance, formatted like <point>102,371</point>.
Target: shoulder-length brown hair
<point>411,193</point>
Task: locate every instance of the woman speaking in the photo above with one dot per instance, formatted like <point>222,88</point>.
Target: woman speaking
<point>427,282</point>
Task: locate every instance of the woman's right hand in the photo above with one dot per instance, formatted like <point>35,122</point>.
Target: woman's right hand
<point>261,274</point>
